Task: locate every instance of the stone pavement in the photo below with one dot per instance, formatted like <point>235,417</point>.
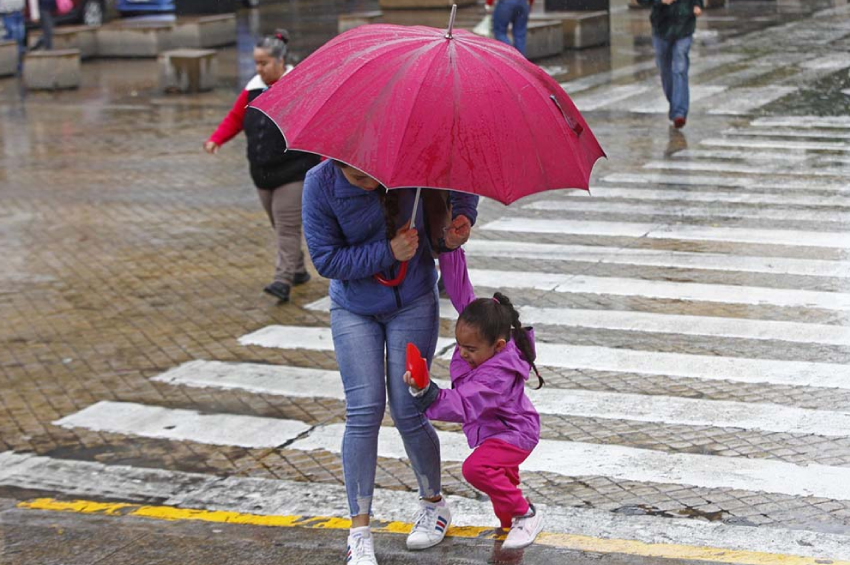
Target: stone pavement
<point>720,251</point>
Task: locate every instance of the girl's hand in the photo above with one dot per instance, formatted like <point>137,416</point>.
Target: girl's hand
<point>211,147</point>
<point>697,11</point>
<point>405,243</point>
<point>408,380</point>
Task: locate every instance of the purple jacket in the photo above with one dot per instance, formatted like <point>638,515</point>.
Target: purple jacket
<point>489,400</point>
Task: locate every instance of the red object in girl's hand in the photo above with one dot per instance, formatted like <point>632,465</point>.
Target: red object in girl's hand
<point>417,366</point>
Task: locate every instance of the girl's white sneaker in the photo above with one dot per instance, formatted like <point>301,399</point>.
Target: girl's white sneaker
<point>361,549</point>
<point>524,530</point>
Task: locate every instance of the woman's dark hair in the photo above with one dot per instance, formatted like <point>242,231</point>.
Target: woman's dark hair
<point>275,44</point>
<point>389,200</point>
<point>497,318</point>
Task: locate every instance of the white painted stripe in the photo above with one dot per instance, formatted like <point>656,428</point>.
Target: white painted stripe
<point>829,122</point>
<point>736,182</point>
<point>295,382</point>
<point>658,104</point>
<point>657,258</point>
<point>749,156</point>
<point>705,367</point>
<point>575,459</point>
<point>296,498</point>
<point>778,144</point>
<point>738,101</point>
<point>794,238</point>
<point>831,62</point>
<point>183,425</point>
<point>690,196</point>
<point>711,167</point>
<point>302,337</point>
<point>776,132</point>
<point>617,286</point>
<point>592,205</point>
<point>736,328</point>
<point>611,95</point>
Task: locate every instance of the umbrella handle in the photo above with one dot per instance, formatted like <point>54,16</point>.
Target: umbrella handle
<point>397,280</point>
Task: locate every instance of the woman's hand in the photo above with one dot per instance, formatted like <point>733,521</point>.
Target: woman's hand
<point>697,11</point>
<point>211,147</point>
<point>405,243</point>
<point>458,232</point>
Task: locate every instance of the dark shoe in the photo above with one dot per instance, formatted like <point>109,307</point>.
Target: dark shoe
<point>679,122</point>
<point>300,278</point>
<point>279,290</point>
<point>441,288</point>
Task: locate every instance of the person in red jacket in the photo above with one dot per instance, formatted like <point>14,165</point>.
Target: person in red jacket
<point>515,13</point>
<point>277,173</point>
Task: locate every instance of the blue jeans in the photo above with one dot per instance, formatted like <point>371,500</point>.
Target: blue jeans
<point>363,344</point>
<point>671,56</point>
<point>13,23</point>
<point>514,12</point>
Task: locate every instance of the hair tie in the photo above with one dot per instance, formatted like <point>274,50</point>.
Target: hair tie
<point>496,300</point>
<point>279,36</point>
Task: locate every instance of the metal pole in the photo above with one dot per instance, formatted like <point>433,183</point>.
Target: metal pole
<point>415,206</point>
<point>451,22</point>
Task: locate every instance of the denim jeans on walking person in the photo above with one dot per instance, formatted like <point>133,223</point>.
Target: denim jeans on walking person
<point>13,24</point>
<point>362,345</point>
<point>514,12</point>
<point>672,58</point>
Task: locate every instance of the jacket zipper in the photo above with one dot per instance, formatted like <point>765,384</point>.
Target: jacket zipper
<point>395,288</point>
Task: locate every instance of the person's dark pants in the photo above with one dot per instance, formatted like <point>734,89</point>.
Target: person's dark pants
<point>46,39</point>
<point>515,13</point>
<point>13,23</point>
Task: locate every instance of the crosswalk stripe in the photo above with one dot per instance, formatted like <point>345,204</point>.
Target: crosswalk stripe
<point>280,497</point>
<point>776,144</point>
<point>794,238</point>
<point>714,167</point>
<point>590,102</point>
<point>648,322</point>
<point>658,104</point>
<point>550,456</point>
<point>749,183</point>
<point>301,382</point>
<point>738,101</point>
<point>750,156</point>
<point>575,459</point>
<point>303,337</point>
<point>666,290</point>
<point>159,422</point>
<point>828,122</point>
<point>778,132</point>
<point>630,361</point>
<point>690,196</point>
<point>762,213</point>
<point>657,258</point>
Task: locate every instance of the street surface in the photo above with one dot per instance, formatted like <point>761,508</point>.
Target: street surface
<point>691,315</point>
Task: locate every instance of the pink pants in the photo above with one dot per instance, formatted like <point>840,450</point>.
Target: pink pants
<point>493,468</point>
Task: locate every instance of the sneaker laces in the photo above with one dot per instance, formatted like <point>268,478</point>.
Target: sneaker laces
<point>362,545</point>
<point>426,518</point>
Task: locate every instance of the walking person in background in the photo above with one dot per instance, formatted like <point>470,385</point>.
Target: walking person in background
<point>42,11</point>
<point>673,25</point>
<point>12,14</point>
<point>277,173</point>
<point>515,13</point>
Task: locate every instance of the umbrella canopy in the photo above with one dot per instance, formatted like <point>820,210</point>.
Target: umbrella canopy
<point>420,107</point>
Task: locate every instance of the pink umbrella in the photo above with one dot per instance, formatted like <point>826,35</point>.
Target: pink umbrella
<point>420,107</point>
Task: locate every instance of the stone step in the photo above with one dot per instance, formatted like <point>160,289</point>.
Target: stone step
<point>8,58</point>
<point>581,29</point>
<point>83,38</point>
<point>52,70</point>
<point>188,70</point>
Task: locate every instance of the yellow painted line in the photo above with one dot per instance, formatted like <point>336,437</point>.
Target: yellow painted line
<point>564,541</point>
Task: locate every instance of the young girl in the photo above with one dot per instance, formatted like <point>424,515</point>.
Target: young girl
<point>490,366</point>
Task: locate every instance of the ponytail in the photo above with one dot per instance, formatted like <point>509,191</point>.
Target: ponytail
<point>520,336</point>
<point>497,318</point>
<point>275,44</point>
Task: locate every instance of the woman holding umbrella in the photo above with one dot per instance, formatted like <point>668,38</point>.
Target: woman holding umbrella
<point>355,228</point>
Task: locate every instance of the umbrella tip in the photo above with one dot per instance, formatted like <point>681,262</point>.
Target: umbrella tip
<point>451,22</point>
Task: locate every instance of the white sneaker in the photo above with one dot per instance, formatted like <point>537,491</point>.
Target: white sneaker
<point>361,550</point>
<point>524,530</point>
<point>430,525</point>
